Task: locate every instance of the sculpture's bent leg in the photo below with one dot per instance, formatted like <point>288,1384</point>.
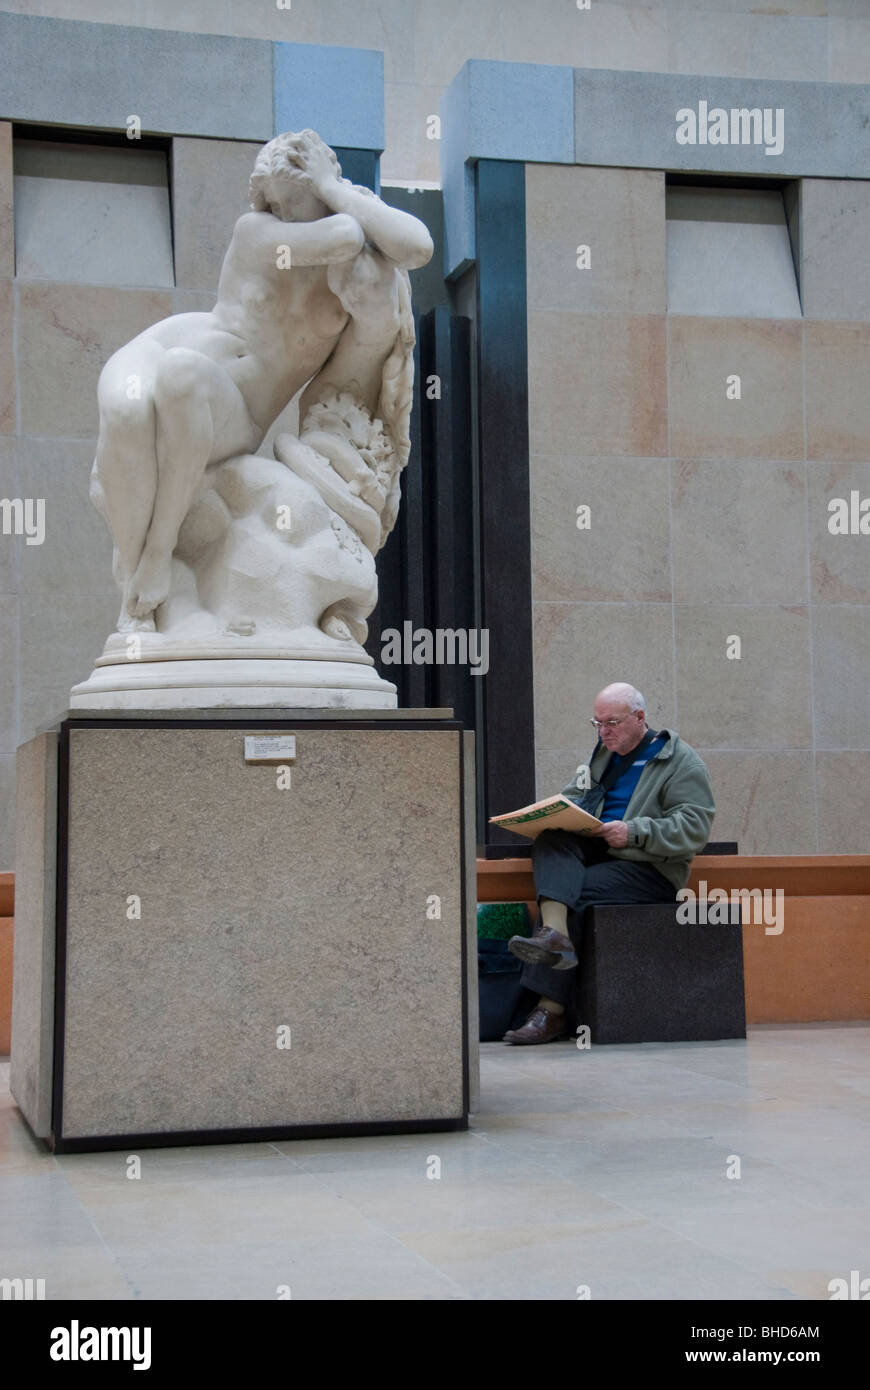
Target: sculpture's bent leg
<point>188,387</point>
<point>124,478</point>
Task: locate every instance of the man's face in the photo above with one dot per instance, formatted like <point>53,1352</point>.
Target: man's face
<point>627,734</point>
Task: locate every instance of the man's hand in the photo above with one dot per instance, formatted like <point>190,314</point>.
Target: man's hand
<point>615,832</point>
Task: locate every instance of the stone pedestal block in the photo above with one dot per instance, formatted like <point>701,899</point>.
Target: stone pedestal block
<point>245,949</point>
<point>644,977</point>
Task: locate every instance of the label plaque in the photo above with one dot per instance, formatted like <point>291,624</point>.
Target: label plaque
<point>270,748</point>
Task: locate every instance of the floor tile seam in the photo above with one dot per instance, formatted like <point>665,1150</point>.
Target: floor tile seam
<point>855,1131</point>
<point>754,1155</point>
<point>42,1168</point>
<point>709,1250</point>
<point>288,1157</point>
<point>101,1239</point>
<point>821,1067</point>
<point>820,1211</point>
<point>802,1110</point>
<point>555,1170</point>
<point>638,1211</point>
<point>378,1227</point>
<point>681,1072</point>
<point>705,1076</point>
<point>678,1127</point>
<point>706,1251</point>
<point>588,1183</point>
<point>433,1136</point>
<point>860,1121</point>
<point>142,1202</point>
<point>599,1138</point>
<point>622,1076</point>
<point>795,1172</point>
<point>518,1159</point>
<point>777,1168</point>
<point>286,1251</point>
<point>233,1198</point>
<point>789,1167</point>
<point>546,1233</point>
<point>603,1109</point>
<point>646,1112</point>
<point>184,1169</point>
<point>755,1093</point>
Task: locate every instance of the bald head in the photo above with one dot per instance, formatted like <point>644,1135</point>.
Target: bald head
<point>625,693</point>
<point>622,703</point>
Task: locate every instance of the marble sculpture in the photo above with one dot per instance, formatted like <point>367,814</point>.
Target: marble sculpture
<point>248,579</point>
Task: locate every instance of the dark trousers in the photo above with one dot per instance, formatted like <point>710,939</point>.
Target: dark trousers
<point>577,870</point>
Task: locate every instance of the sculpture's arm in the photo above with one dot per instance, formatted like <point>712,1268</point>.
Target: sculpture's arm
<point>327,241</point>
<point>398,236</point>
<point>403,239</point>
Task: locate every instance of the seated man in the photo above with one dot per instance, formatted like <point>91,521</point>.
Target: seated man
<point>652,792</point>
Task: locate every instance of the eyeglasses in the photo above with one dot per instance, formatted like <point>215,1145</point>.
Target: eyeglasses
<point>608,723</point>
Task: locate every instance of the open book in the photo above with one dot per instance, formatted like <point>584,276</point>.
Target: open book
<point>553,813</point>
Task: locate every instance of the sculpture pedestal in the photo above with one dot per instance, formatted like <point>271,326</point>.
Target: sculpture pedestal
<point>229,684</point>
<point>235,952</point>
<point>300,669</point>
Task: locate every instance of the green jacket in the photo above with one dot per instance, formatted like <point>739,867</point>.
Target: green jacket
<point>670,813</point>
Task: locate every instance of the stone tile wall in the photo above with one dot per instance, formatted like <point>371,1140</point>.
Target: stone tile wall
<point>425,43</point>
<point>709,516</point>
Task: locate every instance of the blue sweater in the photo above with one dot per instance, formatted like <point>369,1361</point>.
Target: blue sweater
<point>631,766</point>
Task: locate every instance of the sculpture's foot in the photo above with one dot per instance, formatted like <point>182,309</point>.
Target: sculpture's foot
<point>128,624</point>
<point>339,621</point>
<point>337,627</point>
<point>149,586</point>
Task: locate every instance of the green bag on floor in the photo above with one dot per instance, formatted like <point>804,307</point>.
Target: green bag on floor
<point>501,921</point>
<point>503,1001</point>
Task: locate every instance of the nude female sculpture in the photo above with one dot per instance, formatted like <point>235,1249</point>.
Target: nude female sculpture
<point>313,289</point>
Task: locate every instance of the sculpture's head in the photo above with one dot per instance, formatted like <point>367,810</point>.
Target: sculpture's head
<point>278,185</point>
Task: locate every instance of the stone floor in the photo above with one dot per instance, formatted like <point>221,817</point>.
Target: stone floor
<point>605,1169</point>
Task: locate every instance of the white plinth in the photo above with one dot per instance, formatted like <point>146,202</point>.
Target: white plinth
<point>233,684</point>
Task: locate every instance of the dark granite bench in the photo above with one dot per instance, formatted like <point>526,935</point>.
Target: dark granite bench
<point>645,977</point>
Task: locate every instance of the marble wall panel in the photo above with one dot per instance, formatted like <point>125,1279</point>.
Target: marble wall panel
<point>837,399</point>
<point>739,532</point>
<point>66,333</point>
<point>599,381</point>
<point>841,661</point>
<point>620,215</point>
<point>840,562</point>
<point>764,801</point>
<point>624,553</point>
<point>843,801</point>
<point>834,270</point>
<point>766,422</point>
<point>761,700</point>
<point>209,195</point>
<point>581,647</point>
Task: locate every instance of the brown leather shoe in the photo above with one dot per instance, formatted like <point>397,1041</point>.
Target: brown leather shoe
<point>541,1026</point>
<point>546,947</point>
